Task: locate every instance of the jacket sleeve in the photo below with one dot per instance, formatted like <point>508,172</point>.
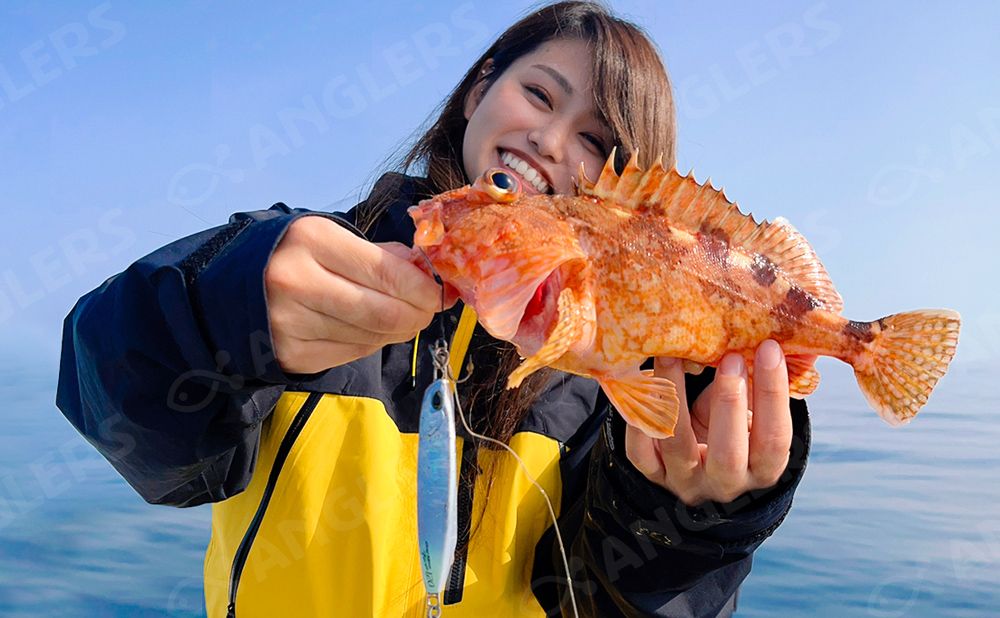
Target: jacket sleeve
<point>637,550</point>
<point>167,368</point>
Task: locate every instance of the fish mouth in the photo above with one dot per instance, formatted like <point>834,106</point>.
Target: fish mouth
<point>517,307</point>
<point>539,314</point>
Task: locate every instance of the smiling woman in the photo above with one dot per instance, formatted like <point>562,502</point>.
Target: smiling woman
<point>294,333</point>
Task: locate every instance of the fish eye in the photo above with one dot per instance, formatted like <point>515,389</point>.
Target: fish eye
<point>503,181</point>
<point>499,185</point>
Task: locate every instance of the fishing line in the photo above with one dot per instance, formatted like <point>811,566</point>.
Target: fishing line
<point>541,490</point>
<point>440,355</point>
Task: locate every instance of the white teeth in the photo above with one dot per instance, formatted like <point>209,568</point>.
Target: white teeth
<point>530,174</point>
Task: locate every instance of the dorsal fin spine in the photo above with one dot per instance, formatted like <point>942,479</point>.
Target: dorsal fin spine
<point>702,208</point>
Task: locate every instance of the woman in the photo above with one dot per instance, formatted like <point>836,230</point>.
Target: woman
<point>265,366</point>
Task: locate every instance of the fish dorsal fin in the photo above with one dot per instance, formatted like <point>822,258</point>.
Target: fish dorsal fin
<point>703,209</point>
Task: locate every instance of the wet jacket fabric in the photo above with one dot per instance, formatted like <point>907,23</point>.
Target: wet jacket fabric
<point>167,369</point>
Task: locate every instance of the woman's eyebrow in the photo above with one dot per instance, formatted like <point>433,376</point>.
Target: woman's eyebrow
<point>556,75</point>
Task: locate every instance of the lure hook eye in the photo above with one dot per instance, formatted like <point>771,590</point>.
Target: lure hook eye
<point>500,185</point>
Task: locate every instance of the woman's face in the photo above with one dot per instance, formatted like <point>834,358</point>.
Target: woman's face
<point>538,120</point>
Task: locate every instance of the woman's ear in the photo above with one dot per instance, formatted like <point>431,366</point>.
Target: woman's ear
<point>475,94</point>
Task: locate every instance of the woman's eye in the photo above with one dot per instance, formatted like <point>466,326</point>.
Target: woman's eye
<point>596,142</point>
<point>539,94</point>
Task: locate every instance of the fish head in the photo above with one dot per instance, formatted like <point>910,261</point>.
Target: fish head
<point>504,253</point>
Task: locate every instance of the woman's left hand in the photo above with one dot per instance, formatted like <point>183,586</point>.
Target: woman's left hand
<point>720,449</point>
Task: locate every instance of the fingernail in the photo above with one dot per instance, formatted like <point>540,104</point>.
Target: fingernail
<point>731,365</point>
<point>768,355</point>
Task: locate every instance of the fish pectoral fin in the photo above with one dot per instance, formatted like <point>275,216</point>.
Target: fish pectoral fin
<point>802,375</point>
<point>568,329</point>
<point>646,402</point>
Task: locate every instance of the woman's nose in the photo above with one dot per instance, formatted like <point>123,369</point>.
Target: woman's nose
<point>549,142</point>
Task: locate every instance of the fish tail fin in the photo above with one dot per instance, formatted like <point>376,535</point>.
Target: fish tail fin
<point>907,355</point>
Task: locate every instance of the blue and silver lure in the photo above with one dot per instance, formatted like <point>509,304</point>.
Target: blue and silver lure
<point>437,484</point>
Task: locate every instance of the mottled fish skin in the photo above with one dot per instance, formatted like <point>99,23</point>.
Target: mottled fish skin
<point>659,265</point>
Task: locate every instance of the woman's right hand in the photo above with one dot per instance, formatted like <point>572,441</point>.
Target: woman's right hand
<point>334,297</point>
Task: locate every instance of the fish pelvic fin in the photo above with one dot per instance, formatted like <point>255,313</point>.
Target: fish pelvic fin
<point>906,356</point>
<point>571,325</point>
<point>700,208</point>
<point>645,401</point>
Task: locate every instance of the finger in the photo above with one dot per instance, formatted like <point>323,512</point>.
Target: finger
<point>771,433</point>
<point>396,248</point>
<point>310,325</point>
<point>728,439</point>
<point>700,412</point>
<point>374,267</point>
<point>641,451</point>
<point>681,450</point>
<point>362,307</point>
<point>299,356</point>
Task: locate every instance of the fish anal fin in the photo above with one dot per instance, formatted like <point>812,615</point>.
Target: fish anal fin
<point>570,327</point>
<point>644,401</point>
<point>802,375</point>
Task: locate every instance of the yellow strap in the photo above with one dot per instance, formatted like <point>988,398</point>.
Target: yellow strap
<point>460,340</point>
<point>459,343</point>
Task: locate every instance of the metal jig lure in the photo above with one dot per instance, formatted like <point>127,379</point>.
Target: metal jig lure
<point>437,485</point>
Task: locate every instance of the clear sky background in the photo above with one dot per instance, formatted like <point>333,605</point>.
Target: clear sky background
<point>873,127</point>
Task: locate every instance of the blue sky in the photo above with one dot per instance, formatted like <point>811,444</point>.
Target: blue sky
<point>873,127</point>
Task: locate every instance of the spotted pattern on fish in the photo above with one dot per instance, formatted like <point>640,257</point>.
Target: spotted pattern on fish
<point>764,271</point>
<point>862,331</point>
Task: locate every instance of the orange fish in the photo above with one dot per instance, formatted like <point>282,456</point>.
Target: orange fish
<point>651,263</point>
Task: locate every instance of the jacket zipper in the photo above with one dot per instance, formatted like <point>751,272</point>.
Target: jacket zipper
<point>239,561</point>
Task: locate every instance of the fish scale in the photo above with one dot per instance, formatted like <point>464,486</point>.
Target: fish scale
<point>652,263</point>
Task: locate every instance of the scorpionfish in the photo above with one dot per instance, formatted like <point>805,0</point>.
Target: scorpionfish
<point>651,263</point>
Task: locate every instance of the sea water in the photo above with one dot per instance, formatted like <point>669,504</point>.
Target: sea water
<point>887,522</point>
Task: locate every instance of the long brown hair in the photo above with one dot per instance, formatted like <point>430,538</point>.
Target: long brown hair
<point>632,95</point>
